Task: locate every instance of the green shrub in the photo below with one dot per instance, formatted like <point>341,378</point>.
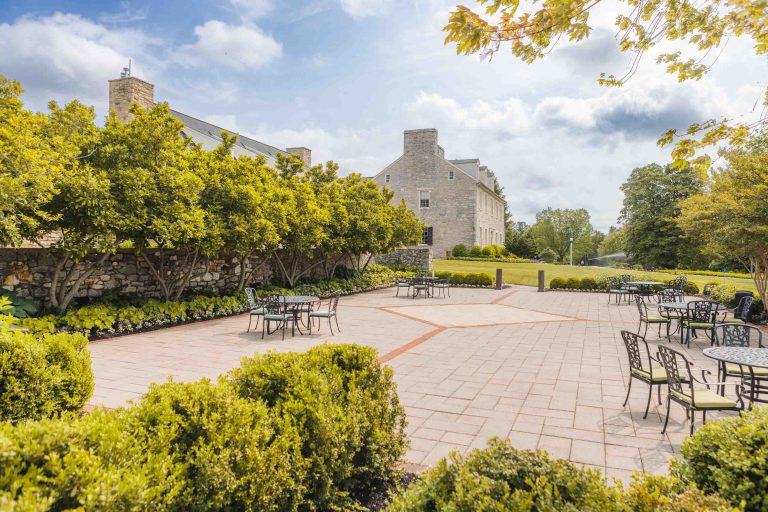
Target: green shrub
<point>94,317</point>
<point>573,283</point>
<point>130,318</point>
<point>729,457</point>
<point>459,250</point>
<point>724,294</point>
<point>588,283</point>
<point>43,376</point>
<point>345,405</point>
<point>22,307</point>
<point>470,279</point>
<point>691,288</point>
<point>41,325</point>
<point>476,251</point>
<point>487,252</point>
<point>495,251</point>
<point>501,478</point>
<point>557,283</point>
<point>652,493</point>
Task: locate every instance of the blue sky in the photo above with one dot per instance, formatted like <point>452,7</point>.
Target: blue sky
<point>346,77</point>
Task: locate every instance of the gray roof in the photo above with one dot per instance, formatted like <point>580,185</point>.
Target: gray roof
<point>209,136</point>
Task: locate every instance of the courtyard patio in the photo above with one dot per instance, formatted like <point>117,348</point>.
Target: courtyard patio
<point>547,370</point>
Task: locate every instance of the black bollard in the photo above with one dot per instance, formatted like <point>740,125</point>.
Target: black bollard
<point>498,279</point>
<point>541,280</point>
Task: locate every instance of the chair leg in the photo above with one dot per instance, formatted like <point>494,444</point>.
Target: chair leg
<point>666,421</point>
<point>693,417</point>
<point>646,330</point>
<point>330,326</point>
<point>336,319</point>
<point>703,417</point>
<point>629,388</point>
<point>648,403</point>
<point>250,317</point>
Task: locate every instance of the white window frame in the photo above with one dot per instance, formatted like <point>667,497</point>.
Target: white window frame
<point>450,174</point>
<point>428,198</point>
<point>387,178</point>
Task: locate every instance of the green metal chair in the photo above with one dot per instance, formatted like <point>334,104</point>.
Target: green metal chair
<point>647,319</point>
<point>329,312</point>
<point>652,374</point>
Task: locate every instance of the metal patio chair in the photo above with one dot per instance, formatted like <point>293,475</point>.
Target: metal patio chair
<point>683,389</point>
<point>616,289</point>
<point>647,319</point>
<point>329,312</point>
<point>402,283</point>
<point>701,315</point>
<point>740,313</point>
<point>255,307</point>
<point>442,286</point>
<point>652,374</point>
<point>740,335</point>
<point>276,310</point>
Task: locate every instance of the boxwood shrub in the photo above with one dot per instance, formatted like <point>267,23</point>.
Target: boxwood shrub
<point>501,478</point>
<point>730,457</point>
<point>285,432</point>
<point>557,283</point>
<point>42,376</point>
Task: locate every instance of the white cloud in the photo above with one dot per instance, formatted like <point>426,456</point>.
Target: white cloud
<point>252,9</point>
<point>506,119</point>
<point>64,56</point>
<point>240,47</point>
<point>359,9</point>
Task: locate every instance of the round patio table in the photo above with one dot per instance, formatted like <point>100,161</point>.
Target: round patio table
<point>681,306</point>
<point>296,302</point>
<point>743,356</point>
<point>644,287</point>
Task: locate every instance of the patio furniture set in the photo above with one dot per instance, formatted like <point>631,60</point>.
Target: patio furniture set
<point>295,310</point>
<point>736,346</point>
<point>424,286</point>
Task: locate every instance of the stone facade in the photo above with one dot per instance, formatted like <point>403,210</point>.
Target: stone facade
<point>29,272</point>
<point>124,92</point>
<point>418,257</point>
<point>455,198</point>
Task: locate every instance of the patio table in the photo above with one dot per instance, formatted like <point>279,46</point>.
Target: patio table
<point>748,357</point>
<point>296,302</point>
<point>644,287</point>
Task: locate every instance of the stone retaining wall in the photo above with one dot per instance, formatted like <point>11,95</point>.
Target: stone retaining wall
<point>29,272</point>
<point>419,257</point>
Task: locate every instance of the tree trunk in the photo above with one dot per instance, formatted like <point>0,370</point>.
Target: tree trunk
<point>64,288</point>
<point>759,265</point>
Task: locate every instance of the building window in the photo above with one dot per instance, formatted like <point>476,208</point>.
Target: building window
<point>450,175</point>
<point>426,236</point>
<point>423,198</point>
<point>387,178</point>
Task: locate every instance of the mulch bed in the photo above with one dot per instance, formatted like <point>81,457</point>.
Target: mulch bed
<point>378,500</point>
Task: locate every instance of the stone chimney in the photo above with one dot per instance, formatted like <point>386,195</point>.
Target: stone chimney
<point>422,141</point>
<point>124,92</point>
<point>440,151</point>
<point>304,153</point>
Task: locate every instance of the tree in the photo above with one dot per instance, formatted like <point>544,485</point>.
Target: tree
<point>29,162</point>
<point>614,243</point>
<point>730,216</point>
<point>519,240</point>
<point>158,177</point>
<point>554,228</point>
<point>651,197</point>
<point>706,26</point>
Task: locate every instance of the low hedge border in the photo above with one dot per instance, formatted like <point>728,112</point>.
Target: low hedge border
<point>713,273</point>
<point>100,320</point>
<point>492,260</point>
<point>602,284</point>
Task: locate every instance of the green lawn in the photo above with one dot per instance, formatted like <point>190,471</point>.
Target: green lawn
<point>527,273</point>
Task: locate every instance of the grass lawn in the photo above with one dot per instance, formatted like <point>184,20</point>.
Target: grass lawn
<point>527,273</point>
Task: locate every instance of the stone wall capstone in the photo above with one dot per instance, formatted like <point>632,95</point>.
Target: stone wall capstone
<point>29,271</point>
<point>419,257</point>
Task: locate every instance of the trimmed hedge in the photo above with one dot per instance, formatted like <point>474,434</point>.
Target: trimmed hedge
<point>713,273</point>
<point>43,376</point>
<point>471,279</point>
<point>729,456</point>
<point>601,283</point>
<point>502,478</point>
<point>509,259</point>
<point>285,432</point>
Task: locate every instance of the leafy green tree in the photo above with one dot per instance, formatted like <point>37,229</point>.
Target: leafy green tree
<point>532,30</point>
<point>29,163</point>
<point>614,242</point>
<point>651,197</point>
<point>554,229</point>
<point>158,177</point>
<point>729,214</point>
<point>518,240</point>
<point>245,206</point>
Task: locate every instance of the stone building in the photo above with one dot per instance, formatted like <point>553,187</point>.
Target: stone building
<point>455,198</point>
<point>125,91</point>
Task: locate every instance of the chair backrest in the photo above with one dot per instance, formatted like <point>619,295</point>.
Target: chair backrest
<point>641,306</point>
<point>625,278</point>
<point>742,309</point>
<point>632,343</point>
<point>738,335</point>
<point>273,304</point>
<point>250,295</point>
<point>333,303</point>
<point>702,311</point>
<point>708,290</point>
<point>678,369</point>
<point>671,295</point>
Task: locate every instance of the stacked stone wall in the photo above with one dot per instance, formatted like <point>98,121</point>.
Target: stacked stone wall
<point>418,257</point>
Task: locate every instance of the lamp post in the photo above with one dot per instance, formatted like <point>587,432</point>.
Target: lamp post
<point>570,235</point>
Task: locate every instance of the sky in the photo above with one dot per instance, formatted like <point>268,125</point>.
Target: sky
<point>346,77</point>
